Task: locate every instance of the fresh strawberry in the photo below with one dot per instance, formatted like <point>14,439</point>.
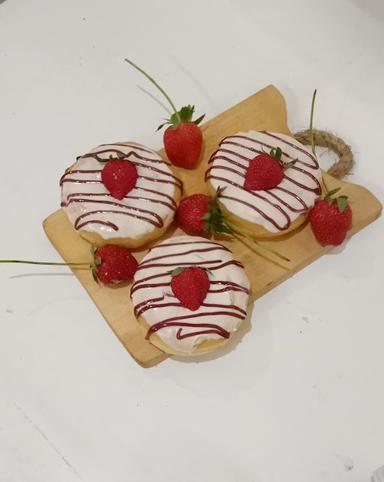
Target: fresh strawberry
<point>200,215</point>
<point>119,176</point>
<point>191,213</point>
<point>190,286</point>
<point>113,264</point>
<point>331,219</point>
<point>265,171</point>
<point>183,138</point>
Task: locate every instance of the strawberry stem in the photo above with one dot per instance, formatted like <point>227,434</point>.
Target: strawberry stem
<point>238,234</point>
<point>217,223</point>
<point>311,121</point>
<point>46,263</point>
<point>151,79</point>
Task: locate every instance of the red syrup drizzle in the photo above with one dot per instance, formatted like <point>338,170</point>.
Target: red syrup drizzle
<point>153,218</point>
<point>255,208</point>
<point>226,168</point>
<point>213,331</point>
<point>73,198</point>
<point>118,152</point>
<point>316,190</point>
<point>137,147</point>
<point>204,250</point>
<point>138,284</point>
<point>315,164</point>
<point>215,157</point>
<point>298,148</point>
<point>198,263</point>
<point>152,303</point>
<point>176,182</point>
<point>158,222</point>
<point>78,224</point>
<point>218,156</point>
<point>229,286</point>
<point>175,321</point>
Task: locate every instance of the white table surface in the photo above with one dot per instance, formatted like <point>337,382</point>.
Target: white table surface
<point>301,399</point>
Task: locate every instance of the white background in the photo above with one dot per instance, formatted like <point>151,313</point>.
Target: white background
<point>301,399</point>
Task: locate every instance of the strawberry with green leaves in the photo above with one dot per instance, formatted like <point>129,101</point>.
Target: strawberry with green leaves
<point>331,219</point>
<point>183,138</point>
<point>265,171</point>
<point>111,264</point>
<point>200,215</point>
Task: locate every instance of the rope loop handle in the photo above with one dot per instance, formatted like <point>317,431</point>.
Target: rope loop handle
<point>343,166</point>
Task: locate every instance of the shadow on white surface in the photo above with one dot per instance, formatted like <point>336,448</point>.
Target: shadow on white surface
<point>231,378</point>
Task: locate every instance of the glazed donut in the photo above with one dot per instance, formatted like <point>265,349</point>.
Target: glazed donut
<point>165,321</point>
<point>271,212</point>
<point>141,216</point>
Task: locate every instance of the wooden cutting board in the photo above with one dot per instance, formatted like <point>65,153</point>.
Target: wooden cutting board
<point>264,110</point>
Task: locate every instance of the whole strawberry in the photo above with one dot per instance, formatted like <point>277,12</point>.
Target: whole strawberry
<point>200,215</point>
<point>119,176</point>
<point>331,219</point>
<point>265,171</point>
<point>113,264</point>
<point>183,138</point>
<point>191,213</point>
<point>190,286</point>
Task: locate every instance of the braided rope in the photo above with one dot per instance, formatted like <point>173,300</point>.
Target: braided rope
<point>343,166</point>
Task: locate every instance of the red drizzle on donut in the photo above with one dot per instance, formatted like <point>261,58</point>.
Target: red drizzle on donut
<point>236,165</point>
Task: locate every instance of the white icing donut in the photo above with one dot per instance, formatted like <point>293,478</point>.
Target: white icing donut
<point>179,328</point>
<point>149,205</point>
<point>274,209</point>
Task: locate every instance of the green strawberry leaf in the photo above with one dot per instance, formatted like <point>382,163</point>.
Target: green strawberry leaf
<point>180,269</point>
<point>97,261</point>
<point>289,164</point>
<point>168,121</point>
<point>174,120</point>
<point>331,193</point>
<point>276,153</point>
<point>94,275</point>
<point>342,203</point>
<point>199,119</point>
<point>186,113</point>
<point>177,271</point>
<point>215,222</point>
